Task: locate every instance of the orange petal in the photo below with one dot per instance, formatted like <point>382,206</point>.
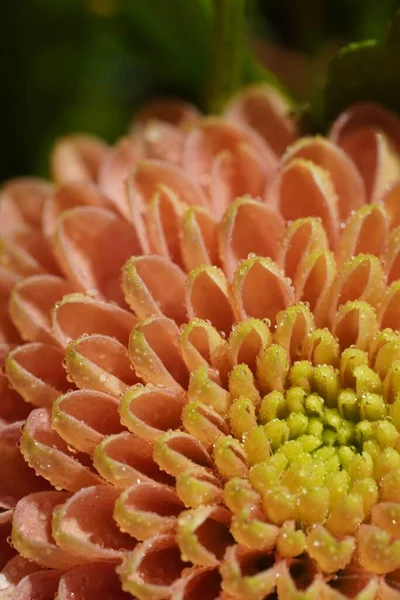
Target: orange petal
<point>171,110</point>
<point>31,533</point>
<point>391,256</point>
<point>199,584</point>
<point>303,189</point>
<point>377,551</point>
<point>293,326</point>
<point>91,245</point>
<point>26,252</point>
<point>12,406</point>
<point>99,362</point>
<point>248,227</point>
<point>78,314</point>
<point>125,459</point>
<point>361,278</point>
<point>208,297</point>
<point>260,289</point>
<point>154,353</point>
<point>212,138</point>
<point>346,180</point>
<point>389,586</point>
<point>41,585</point>
<point>247,341</point>
<point>114,170</point>
<point>150,411</point>
<point>265,110</point>
<point>84,525</point>
<point>389,309</point>
<point>370,135</point>
<point>163,222</point>
<point>203,534</point>
<point>176,452</point>
<point>46,452</point>
<point>147,508</point>
<point>199,238</point>
<point>302,237</point>
<point>314,280</point>
<point>364,233</point>
<point>21,203</point>
<point>77,158</point>
<point>391,202</point>
<point>36,372</point>
<point>70,195</point>
<point>150,571</point>
<point>161,140</point>
<point>202,345</point>
<point>31,303</point>
<point>298,578</point>
<point>84,418</point>
<point>351,583</point>
<point>14,571</point>
<point>16,478</point>
<point>249,574</point>
<point>153,286</point>
<point>90,583</point>
<point>356,324</point>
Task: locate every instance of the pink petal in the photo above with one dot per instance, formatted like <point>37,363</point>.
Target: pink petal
<point>346,180</point>
<point>248,227</point>
<point>155,354</point>
<point>13,572</point>
<point>99,362</point>
<point>47,453</point>
<point>26,252</point>
<point>203,346</point>
<point>391,256</point>
<point>260,289</point>
<point>70,195</point>
<point>16,478</point>
<point>21,204</point>
<point>302,189</point>
<point>154,286</point>
<point>36,372</point>
<point>391,202</point>
<point>12,406</point>
<point>163,223</point>
<point>124,459</point>
<point>355,324</point>
<point>161,140</point>
<point>114,170</point>
<point>267,111</point>
<point>91,245</point>
<point>208,297</point>
<point>91,583</point>
<point>78,314</point>
<point>84,525</point>
<point>38,586</point>
<point>84,417</point>
<point>77,158</point>
<point>199,238</point>
<point>150,411</point>
<point>31,303</point>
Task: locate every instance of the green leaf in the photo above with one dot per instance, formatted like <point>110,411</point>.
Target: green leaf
<point>367,71</point>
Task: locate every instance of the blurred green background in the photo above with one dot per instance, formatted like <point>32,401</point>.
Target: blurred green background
<point>86,65</point>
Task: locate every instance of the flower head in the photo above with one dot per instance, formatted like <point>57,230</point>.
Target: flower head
<point>207,401</point>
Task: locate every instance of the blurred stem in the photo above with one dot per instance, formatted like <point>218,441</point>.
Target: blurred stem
<point>227,58</point>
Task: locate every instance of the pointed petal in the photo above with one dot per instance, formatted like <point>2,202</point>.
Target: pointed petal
<point>146,508</point>
<point>46,452</point>
<point>36,372</point>
<point>31,533</point>
<point>199,238</point>
<point>364,233</point>
<point>247,341</point>
<point>84,525</point>
<point>176,452</point>
<point>208,297</point>
<point>260,289</point>
<point>302,237</point>
<point>125,459</point>
<point>314,280</point>
<point>150,411</point>
<point>163,223</point>
<point>84,417</point>
<point>91,245</point>
<point>161,140</point>
<point>346,180</point>
<point>77,158</point>
<point>99,362</point>
<point>264,109</point>
<point>356,324</point>
<point>21,203</point>
<point>155,355</point>
<point>391,202</point>
<point>78,314</point>
<point>31,303</point>
<point>303,189</point>
<point>389,309</point>
<point>293,326</point>
<point>202,345</point>
<point>248,227</point>
<point>153,286</point>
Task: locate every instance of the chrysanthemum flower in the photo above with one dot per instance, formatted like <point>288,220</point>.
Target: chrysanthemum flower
<point>206,403</point>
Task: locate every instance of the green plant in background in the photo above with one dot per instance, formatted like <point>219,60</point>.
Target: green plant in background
<point>87,64</point>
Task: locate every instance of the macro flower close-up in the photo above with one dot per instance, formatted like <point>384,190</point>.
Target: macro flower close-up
<point>200,359</point>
